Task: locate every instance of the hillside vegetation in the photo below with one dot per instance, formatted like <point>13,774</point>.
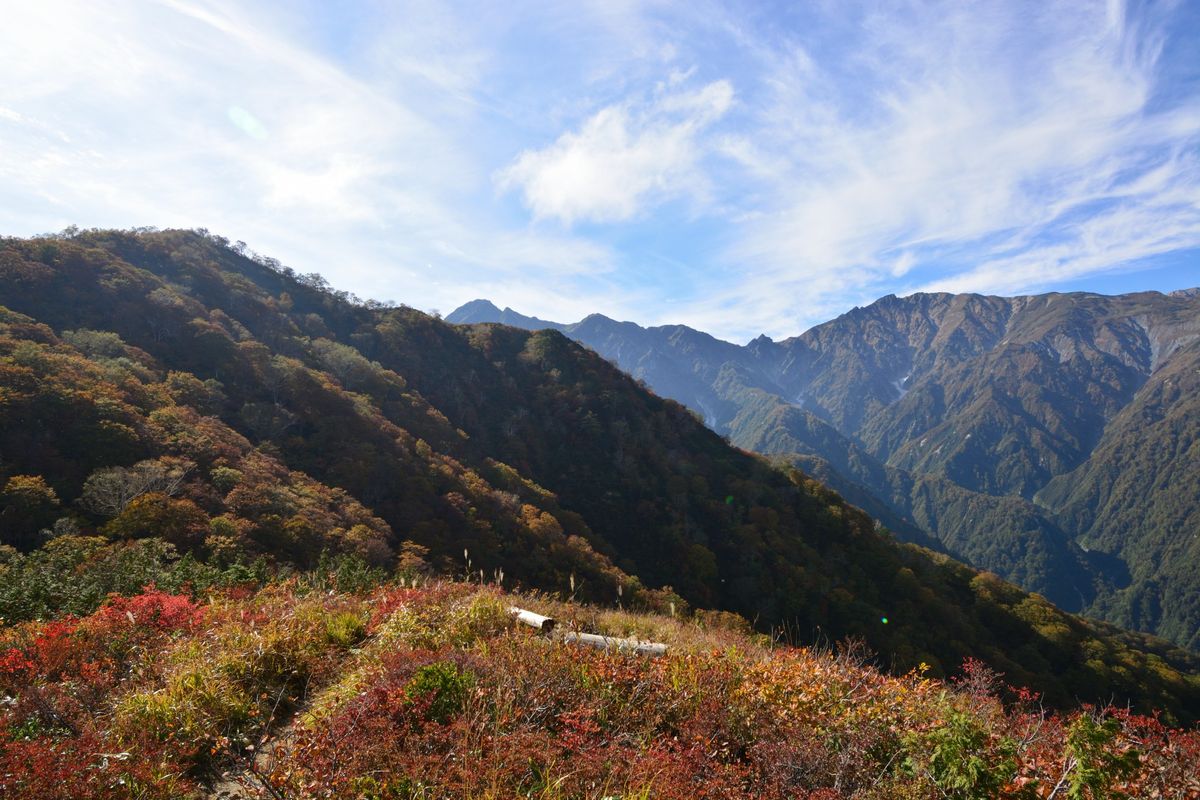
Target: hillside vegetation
<point>172,404</point>
<point>302,690</point>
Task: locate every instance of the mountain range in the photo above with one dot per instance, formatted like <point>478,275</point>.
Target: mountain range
<point>175,410</point>
<point>1052,439</point>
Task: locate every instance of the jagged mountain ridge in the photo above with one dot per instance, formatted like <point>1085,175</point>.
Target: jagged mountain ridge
<point>967,417</point>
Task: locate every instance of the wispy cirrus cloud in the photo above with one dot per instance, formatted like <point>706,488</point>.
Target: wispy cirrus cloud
<point>1001,147</point>
<point>1119,237</point>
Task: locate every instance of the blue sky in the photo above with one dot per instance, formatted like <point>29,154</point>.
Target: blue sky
<point>742,168</point>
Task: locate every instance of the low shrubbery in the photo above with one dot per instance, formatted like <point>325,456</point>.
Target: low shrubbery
<point>298,690</point>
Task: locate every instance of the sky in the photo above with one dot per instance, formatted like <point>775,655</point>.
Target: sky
<point>741,168</point>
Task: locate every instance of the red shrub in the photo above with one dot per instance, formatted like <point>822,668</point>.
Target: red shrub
<point>386,602</point>
<point>52,650</point>
<point>87,767</point>
<point>153,608</point>
<point>15,668</point>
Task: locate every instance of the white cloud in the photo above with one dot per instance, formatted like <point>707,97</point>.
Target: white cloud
<point>903,263</point>
<point>622,159</point>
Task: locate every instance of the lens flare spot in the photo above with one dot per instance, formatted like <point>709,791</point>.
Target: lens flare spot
<point>246,122</point>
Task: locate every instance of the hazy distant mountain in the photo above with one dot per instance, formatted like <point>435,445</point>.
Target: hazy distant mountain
<point>1054,439</point>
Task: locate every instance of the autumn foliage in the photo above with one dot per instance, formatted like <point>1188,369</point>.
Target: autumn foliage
<point>212,465</point>
<point>177,411</point>
<point>296,691</point>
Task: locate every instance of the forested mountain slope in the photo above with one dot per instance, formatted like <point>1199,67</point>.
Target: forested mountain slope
<point>1137,498</point>
<point>163,384</point>
<point>1048,438</point>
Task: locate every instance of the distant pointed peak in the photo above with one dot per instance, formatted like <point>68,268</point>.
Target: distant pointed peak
<point>599,322</point>
<point>483,311</point>
<point>481,303</point>
<point>475,311</point>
